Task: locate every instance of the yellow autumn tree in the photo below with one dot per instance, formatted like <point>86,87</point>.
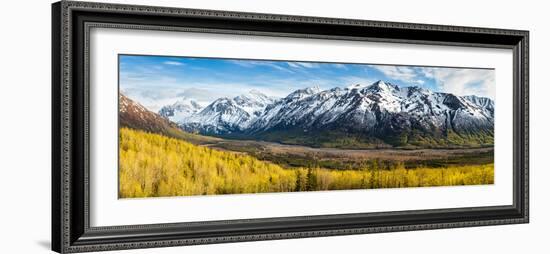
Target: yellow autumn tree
<point>153,165</point>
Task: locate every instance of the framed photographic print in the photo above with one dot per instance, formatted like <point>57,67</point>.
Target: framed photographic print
<point>181,126</point>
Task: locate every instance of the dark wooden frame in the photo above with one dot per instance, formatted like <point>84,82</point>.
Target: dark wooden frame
<point>71,22</point>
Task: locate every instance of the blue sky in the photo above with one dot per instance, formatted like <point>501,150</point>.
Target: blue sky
<point>156,81</point>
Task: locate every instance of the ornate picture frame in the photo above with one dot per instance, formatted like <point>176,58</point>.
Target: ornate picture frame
<point>71,196</point>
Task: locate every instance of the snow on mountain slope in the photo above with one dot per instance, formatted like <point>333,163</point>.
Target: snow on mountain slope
<point>180,110</point>
<point>228,115</point>
<point>253,102</point>
<point>366,107</point>
<point>379,110</point>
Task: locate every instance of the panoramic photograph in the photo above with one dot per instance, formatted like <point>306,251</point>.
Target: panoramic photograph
<point>210,126</point>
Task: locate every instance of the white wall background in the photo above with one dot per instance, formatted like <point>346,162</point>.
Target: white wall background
<point>25,126</point>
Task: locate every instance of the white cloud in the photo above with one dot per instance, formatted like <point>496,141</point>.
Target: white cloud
<point>479,82</point>
<point>153,94</point>
<point>459,81</point>
<point>402,73</point>
<point>173,63</point>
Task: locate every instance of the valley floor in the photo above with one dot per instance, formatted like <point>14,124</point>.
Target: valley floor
<point>335,158</point>
<point>153,165</point>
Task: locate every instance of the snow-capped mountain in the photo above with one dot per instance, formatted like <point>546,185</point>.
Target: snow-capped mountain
<point>228,115</point>
<point>380,113</point>
<point>180,110</point>
<point>364,108</point>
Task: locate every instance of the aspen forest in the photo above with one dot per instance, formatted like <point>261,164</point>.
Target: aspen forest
<point>155,165</point>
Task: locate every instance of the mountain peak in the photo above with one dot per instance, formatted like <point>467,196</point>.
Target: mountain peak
<point>305,92</point>
<point>254,97</point>
<point>380,84</point>
<point>180,109</point>
<point>310,90</point>
<point>314,89</point>
<point>227,115</point>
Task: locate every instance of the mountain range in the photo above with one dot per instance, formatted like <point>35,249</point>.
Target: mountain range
<point>360,116</point>
<point>133,115</point>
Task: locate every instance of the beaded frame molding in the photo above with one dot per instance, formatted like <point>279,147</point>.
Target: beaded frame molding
<point>71,23</point>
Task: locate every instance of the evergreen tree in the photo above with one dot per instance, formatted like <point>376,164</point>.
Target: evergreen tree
<point>311,180</point>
